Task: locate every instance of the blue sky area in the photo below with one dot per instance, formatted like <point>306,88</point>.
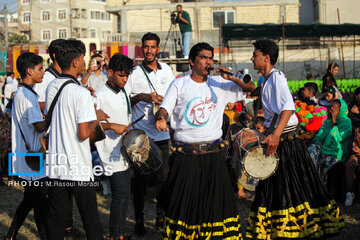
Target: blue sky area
<point>11,5</point>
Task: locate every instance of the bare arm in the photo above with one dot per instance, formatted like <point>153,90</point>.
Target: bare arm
<point>273,139</point>
<point>246,87</point>
<point>85,78</point>
<point>42,106</point>
<point>86,128</point>
<point>118,128</point>
<point>150,98</point>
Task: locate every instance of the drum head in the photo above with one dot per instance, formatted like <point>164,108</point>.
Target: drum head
<point>258,165</point>
<point>143,154</point>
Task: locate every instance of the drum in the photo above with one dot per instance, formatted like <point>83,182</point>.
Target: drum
<point>252,155</point>
<point>143,154</point>
<point>97,135</point>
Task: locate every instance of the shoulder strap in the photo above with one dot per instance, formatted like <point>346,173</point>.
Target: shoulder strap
<point>148,79</point>
<point>52,106</point>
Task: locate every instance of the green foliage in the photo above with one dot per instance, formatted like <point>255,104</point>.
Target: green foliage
<point>15,39</point>
<point>344,85</point>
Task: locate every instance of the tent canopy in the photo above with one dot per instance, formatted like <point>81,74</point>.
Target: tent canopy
<point>290,31</point>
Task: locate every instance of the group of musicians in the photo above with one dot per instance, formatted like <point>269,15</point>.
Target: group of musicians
<point>195,199</point>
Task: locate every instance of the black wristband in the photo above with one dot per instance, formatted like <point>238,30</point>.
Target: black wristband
<point>334,124</point>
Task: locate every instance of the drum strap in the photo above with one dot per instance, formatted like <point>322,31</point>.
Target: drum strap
<point>148,79</point>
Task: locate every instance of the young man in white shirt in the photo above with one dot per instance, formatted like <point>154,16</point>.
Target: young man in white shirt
<point>147,85</point>
<point>27,128</point>
<point>292,203</point>
<point>109,149</point>
<point>201,201</point>
<point>70,166</point>
<point>50,74</point>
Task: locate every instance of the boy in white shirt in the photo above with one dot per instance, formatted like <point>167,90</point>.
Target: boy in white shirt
<point>109,149</point>
<point>27,127</point>
<point>70,167</point>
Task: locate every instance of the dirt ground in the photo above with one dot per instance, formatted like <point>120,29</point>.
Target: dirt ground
<point>11,197</point>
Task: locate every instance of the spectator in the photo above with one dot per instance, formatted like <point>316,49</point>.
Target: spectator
<point>330,145</point>
<point>329,97</point>
<point>354,108</point>
<point>351,167</point>
<point>259,124</point>
<point>310,90</point>
<point>183,19</point>
<point>94,78</point>
<point>329,77</point>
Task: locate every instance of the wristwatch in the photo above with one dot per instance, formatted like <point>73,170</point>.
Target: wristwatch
<point>334,124</point>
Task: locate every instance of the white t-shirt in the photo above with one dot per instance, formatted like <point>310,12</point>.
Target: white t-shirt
<point>109,149</point>
<point>138,83</point>
<point>40,88</point>
<point>276,97</point>
<point>14,85</point>
<point>25,112</point>
<point>197,109</point>
<point>69,158</point>
<point>96,81</point>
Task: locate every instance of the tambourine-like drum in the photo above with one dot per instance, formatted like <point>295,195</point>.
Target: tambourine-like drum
<point>144,155</point>
<point>255,163</point>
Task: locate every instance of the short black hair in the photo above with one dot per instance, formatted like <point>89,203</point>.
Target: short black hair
<point>150,36</point>
<point>179,5</point>
<point>54,48</point>
<point>331,67</point>
<point>68,51</point>
<point>268,47</point>
<point>259,120</point>
<point>27,60</point>
<point>9,73</point>
<point>312,87</point>
<point>194,51</point>
<point>120,62</point>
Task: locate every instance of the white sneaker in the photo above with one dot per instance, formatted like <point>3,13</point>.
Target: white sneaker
<point>349,198</point>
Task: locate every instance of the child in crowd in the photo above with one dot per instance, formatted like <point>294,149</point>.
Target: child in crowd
<point>329,97</point>
<point>310,90</point>
<point>232,113</point>
<point>259,124</point>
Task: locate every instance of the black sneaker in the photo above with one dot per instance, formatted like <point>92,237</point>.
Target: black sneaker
<point>139,228</point>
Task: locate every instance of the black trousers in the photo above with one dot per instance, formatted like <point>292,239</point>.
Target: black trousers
<point>158,179</point>
<point>60,194</point>
<point>35,196</point>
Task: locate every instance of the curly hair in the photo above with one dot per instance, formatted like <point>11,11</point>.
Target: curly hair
<point>121,63</point>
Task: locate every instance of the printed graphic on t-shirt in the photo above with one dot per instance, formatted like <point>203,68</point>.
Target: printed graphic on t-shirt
<point>198,111</point>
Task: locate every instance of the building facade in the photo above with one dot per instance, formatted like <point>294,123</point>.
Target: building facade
<point>45,20</point>
<point>136,17</point>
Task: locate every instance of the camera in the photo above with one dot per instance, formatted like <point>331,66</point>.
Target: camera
<point>98,52</point>
<point>173,17</point>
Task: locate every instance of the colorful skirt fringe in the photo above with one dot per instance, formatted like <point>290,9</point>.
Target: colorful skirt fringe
<point>201,203</point>
<point>293,203</point>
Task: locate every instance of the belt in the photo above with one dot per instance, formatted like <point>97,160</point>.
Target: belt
<point>201,148</point>
<point>289,133</point>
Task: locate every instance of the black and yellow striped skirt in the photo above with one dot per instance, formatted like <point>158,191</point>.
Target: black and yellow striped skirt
<point>293,203</point>
<point>200,199</point>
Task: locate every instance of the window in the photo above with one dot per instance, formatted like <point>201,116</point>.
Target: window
<point>61,14</point>
<point>99,15</point>
<point>92,33</point>
<point>25,2</point>
<point>225,16</point>
<point>105,34</point>
<point>46,35</point>
<point>45,1</point>
<point>26,17</point>
<point>62,33</point>
<point>98,1</point>
<point>45,16</point>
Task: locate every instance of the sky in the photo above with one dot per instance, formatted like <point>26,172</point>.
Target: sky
<point>11,5</point>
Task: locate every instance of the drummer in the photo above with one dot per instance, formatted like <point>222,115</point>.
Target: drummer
<point>201,202</point>
<point>115,165</point>
<point>285,207</point>
<point>147,86</point>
